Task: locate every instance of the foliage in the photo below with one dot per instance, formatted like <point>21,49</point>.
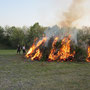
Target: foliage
<point>12,36</point>
<point>80,54</point>
<point>35,31</point>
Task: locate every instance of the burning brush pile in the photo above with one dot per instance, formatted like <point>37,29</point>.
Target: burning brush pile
<point>34,52</point>
<point>62,53</point>
<point>57,46</point>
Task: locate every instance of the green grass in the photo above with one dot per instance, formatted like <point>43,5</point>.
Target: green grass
<point>19,73</point>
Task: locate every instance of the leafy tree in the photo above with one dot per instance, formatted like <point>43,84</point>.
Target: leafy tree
<point>35,31</point>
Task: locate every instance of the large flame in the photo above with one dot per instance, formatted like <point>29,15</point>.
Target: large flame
<point>88,58</point>
<point>53,50</point>
<point>59,54</point>
<point>37,55</point>
<point>34,52</point>
<point>64,52</point>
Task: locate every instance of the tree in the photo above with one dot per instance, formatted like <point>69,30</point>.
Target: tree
<point>11,36</point>
<point>35,31</point>
<point>16,36</point>
<point>1,34</point>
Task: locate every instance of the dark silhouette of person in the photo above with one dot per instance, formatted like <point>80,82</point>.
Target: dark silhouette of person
<point>18,49</point>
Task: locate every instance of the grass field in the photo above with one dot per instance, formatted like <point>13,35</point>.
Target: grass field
<point>18,73</point>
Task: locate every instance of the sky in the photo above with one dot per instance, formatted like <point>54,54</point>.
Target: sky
<point>27,12</point>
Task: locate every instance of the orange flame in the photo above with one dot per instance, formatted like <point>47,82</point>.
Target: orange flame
<point>52,56</point>
<point>88,58</point>
<point>64,52</point>
<point>37,55</point>
<point>32,49</point>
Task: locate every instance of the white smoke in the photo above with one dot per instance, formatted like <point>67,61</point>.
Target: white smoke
<point>61,33</point>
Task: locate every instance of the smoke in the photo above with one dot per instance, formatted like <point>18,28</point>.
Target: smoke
<point>74,13</point>
<point>51,32</point>
<point>56,31</point>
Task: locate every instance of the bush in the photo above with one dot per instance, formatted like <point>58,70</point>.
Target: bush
<point>80,55</point>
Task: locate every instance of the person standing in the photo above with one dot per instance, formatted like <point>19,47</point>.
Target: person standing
<point>24,50</point>
<point>18,49</point>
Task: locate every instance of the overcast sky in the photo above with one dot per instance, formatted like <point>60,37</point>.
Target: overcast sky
<point>27,12</point>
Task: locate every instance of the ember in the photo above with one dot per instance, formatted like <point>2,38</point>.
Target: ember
<point>88,58</point>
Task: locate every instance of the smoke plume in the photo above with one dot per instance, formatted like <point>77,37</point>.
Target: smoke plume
<point>74,13</point>
<point>56,31</point>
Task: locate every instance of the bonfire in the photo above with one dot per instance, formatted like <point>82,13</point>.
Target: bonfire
<point>61,54</point>
<point>64,53</point>
<point>34,51</point>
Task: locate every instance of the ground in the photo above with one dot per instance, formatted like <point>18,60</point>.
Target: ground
<point>18,73</point>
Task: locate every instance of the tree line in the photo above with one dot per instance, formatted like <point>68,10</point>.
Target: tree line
<point>10,37</point>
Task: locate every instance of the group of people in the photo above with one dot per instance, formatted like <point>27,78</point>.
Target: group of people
<point>21,48</point>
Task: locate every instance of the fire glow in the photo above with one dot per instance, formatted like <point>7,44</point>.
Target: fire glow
<point>88,58</point>
<point>64,53</point>
<point>61,54</point>
<point>34,51</point>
